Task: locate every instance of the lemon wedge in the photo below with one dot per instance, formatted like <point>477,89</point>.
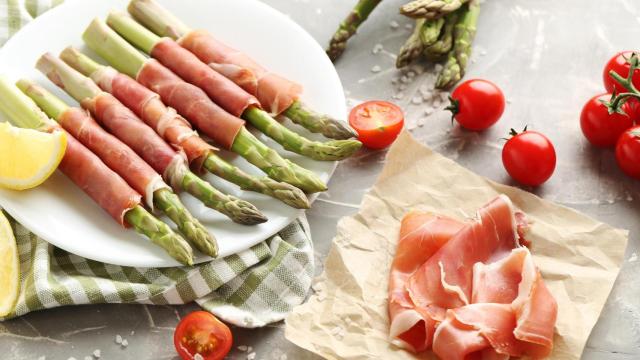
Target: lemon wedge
<point>9,268</point>
<point>28,157</point>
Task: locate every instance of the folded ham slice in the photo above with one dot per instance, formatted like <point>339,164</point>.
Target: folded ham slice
<point>147,106</point>
<point>274,92</point>
<point>95,178</point>
<point>421,235</point>
<point>469,290</point>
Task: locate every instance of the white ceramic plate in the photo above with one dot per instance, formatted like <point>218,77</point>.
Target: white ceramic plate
<point>63,215</point>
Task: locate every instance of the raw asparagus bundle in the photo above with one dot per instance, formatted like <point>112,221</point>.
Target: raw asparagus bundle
<point>444,30</point>
<point>276,94</point>
<point>194,104</point>
<point>95,178</point>
<point>124,161</point>
<point>123,123</point>
<point>177,131</point>
<point>225,92</point>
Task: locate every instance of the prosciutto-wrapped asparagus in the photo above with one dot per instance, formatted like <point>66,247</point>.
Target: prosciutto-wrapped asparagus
<point>225,92</point>
<point>176,130</point>
<point>194,104</point>
<point>124,161</point>
<point>95,178</point>
<point>127,127</point>
<point>276,94</point>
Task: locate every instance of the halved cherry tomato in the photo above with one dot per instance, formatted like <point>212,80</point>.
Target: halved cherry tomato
<point>477,104</point>
<point>601,128</point>
<point>618,63</point>
<point>378,123</point>
<point>202,333</point>
<point>529,157</point>
<point>628,152</point>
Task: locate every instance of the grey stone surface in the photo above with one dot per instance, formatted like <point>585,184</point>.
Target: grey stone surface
<point>546,55</point>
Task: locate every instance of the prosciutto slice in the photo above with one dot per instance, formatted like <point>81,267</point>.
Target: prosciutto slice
<point>421,235</point>
<point>147,106</point>
<point>220,89</point>
<point>95,178</point>
<point>274,92</point>
<point>127,127</point>
<point>469,290</point>
<point>118,156</point>
<point>191,102</point>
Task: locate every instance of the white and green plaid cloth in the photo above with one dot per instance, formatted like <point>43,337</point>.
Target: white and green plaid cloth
<point>250,289</point>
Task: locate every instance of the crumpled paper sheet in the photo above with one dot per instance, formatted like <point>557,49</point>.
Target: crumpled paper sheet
<point>346,318</point>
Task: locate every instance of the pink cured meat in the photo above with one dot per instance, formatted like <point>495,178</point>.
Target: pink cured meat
<point>127,127</point>
<point>421,235</point>
<point>274,92</point>
<point>191,102</point>
<point>148,107</point>
<point>95,178</point>
<point>220,89</point>
<point>118,156</point>
<point>445,280</point>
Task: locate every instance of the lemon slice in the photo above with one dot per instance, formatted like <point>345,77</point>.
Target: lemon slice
<point>9,268</point>
<point>28,157</point>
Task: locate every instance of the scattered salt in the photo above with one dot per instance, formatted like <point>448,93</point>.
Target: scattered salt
<point>509,101</point>
<point>394,24</point>
<point>633,258</point>
<point>438,68</point>
<point>483,52</point>
<point>437,103</point>
<point>118,339</point>
<point>249,349</point>
<point>402,87</point>
<point>394,80</point>
<point>411,74</point>
<point>97,353</point>
<point>283,357</point>
<point>251,356</point>
<point>417,100</point>
<point>404,79</point>
<point>376,69</point>
<point>428,110</point>
<point>88,357</point>
<point>125,343</point>
<point>399,96</point>
<point>408,26</point>
<point>71,358</point>
<point>444,96</point>
<point>133,332</point>
<point>377,48</point>
<point>42,357</point>
<point>422,121</point>
<point>243,348</point>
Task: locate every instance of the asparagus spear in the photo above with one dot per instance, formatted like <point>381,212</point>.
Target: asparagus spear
<point>83,89</point>
<point>425,33</point>
<point>23,112</point>
<point>287,193</point>
<point>444,44</point>
<point>122,56</point>
<point>349,26</point>
<point>163,23</point>
<point>463,33</point>
<point>430,9</point>
<point>164,199</point>
<point>145,40</point>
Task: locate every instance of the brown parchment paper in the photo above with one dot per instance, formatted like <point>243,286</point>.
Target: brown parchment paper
<point>346,318</point>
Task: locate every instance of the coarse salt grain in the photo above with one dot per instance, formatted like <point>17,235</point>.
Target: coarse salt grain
<point>394,24</point>
<point>377,48</point>
<point>402,87</point>
<point>251,356</point>
<point>399,96</point>
<point>428,110</point>
<point>404,79</point>
<point>125,343</point>
<point>417,100</point>
<point>411,74</point>
<point>88,357</point>
<point>437,103</point>
<point>97,353</point>
<point>408,26</point>
<point>71,358</point>
<point>42,357</point>
<point>197,356</point>
<point>118,339</point>
<point>243,348</point>
<point>376,69</point>
<point>283,357</point>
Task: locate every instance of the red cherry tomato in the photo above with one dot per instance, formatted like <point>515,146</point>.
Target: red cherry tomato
<point>618,63</point>
<point>378,123</point>
<point>628,152</point>
<point>529,157</point>
<point>477,104</point>
<point>202,333</point>
<point>601,128</point>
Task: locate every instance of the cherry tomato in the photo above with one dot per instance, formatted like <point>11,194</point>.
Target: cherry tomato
<point>477,104</point>
<point>618,63</point>
<point>378,123</point>
<point>529,157</point>
<point>628,152</point>
<point>601,128</point>
<point>202,333</point>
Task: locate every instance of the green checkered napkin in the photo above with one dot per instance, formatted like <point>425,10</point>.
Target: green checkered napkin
<point>250,289</point>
